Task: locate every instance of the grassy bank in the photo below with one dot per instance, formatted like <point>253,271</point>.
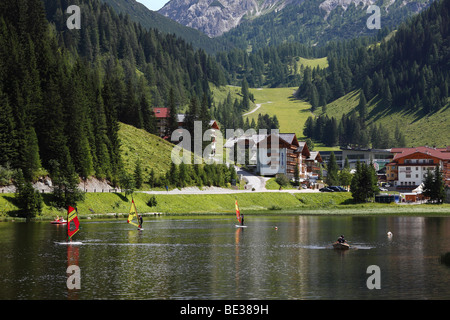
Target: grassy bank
<point>107,204</point>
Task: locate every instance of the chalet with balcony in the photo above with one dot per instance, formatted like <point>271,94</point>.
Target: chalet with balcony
<point>313,165</point>
<point>282,155</point>
<point>409,166</point>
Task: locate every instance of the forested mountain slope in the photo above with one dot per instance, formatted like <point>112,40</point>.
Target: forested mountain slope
<point>64,92</point>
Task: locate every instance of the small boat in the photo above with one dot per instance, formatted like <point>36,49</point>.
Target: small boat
<point>58,221</point>
<point>341,245</point>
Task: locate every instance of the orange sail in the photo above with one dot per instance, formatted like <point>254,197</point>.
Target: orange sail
<point>73,224</point>
<point>238,213</point>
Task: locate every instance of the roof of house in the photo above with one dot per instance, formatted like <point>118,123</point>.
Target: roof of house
<point>315,155</point>
<point>161,112</point>
<point>433,152</point>
<point>290,138</point>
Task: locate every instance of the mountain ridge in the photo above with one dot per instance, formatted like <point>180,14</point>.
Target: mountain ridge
<point>150,19</point>
<point>257,23</point>
<point>215,17</point>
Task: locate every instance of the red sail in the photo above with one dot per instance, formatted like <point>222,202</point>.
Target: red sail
<point>238,213</point>
<point>73,224</point>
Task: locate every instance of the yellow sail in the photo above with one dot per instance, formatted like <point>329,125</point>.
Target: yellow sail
<point>133,214</point>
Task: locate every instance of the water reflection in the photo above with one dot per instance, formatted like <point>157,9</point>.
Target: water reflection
<point>209,258</point>
<point>72,260</point>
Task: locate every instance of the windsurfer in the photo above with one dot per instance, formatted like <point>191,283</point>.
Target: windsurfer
<point>141,221</point>
<point>242,219</point>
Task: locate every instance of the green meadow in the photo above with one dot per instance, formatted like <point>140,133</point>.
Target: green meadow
<point>419,129</point>
<point>152,151</point>
<point>291,112</point>
<point>112,205</point>
<point>322,63</point>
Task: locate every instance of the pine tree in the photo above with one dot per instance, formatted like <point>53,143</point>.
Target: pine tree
<point>434,187</point>
<point>172,124</point>
<point>308,130</point>
<point>364,183</point>
<point>400,140</point>
<point>138,179</point>
<point>245,95</point>
<point>362,106</point>
<point>29,200</point>
<point>8,152</point>
<point>387,95</point>
<point>332,171</point>
<point>314,98</point>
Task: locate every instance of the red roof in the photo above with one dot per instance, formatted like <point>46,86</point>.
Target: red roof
<point>161,112</point>
<point>433,152</point>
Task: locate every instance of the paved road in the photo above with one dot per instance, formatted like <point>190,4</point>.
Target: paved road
<point>253,181</point>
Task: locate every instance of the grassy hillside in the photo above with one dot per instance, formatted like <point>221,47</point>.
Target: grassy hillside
<point>291,112</point>
<point>418,129</point>
<point>322,63</point>
<point>152,151</point>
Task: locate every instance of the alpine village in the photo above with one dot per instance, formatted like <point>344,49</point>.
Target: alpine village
<point>114,112</point>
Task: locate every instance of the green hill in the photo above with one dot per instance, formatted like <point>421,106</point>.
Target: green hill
<point>152,151</point>
<point>417,127</point>
<point>291,112</point>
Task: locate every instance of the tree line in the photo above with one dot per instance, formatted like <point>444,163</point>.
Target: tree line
<point>351,131</point>
<point>63,92</point>
<point>146,63</point>
<point>407,71</point>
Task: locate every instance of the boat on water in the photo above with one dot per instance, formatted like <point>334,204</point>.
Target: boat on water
<point>59,221</point>
<point>341,245</point>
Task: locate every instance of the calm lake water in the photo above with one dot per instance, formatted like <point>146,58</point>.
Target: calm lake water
<point>209,258</point>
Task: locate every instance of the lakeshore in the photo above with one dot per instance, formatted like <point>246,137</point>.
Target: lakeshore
<point>115,205</point>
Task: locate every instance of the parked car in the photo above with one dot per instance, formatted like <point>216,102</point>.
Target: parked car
<point>337,189</point>
<point>326,189</point>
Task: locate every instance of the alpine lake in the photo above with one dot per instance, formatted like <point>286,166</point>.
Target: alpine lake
<point>282,257</point>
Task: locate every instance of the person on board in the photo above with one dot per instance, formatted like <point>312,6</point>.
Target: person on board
<point>141,221</point>
<point>242,219</point>
<point>341,239</point>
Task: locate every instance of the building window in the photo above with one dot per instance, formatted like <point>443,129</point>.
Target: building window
<point>408,175</point>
